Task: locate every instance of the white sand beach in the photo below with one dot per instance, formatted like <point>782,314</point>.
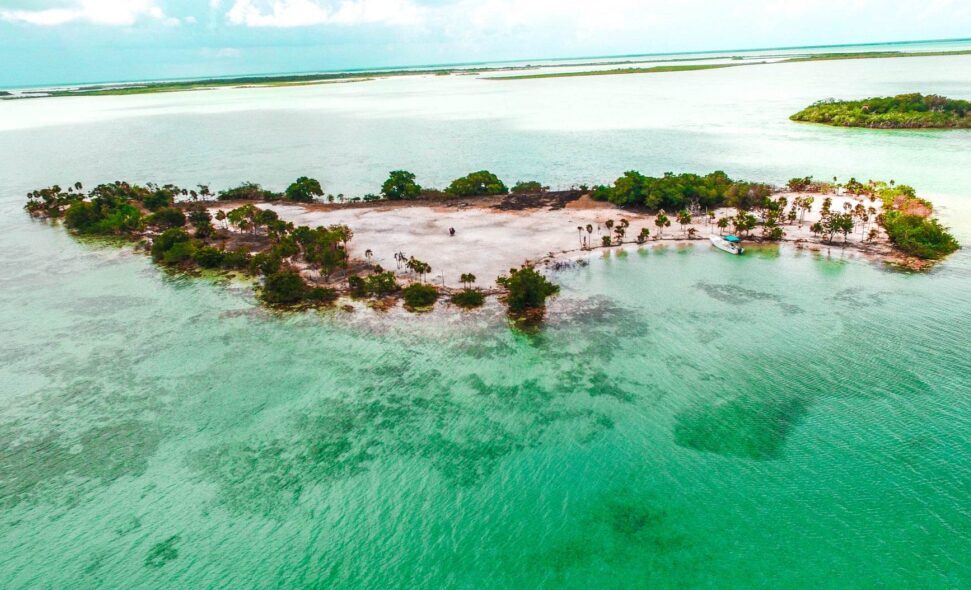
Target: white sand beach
<point>488,241</point>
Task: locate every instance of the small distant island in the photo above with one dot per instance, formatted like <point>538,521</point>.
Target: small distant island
<point>391,246</point>
<point>904,111</point>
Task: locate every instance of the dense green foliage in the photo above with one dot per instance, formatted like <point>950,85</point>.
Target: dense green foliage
<point>400,185</point>
<point>674,192</point>
<point>468,298</point>
<point>380,284</point>
<point>527,289</point>
<point>248,191</point>
<point>284,287</point>
<point>108,212</point>
<point>617,71</point>
<point>304,190</point>
<point>418,295</point>
<point>173,246</point>
<point>904,111</point>
<point>475,184</point>
<point>919,236</point>
<point>525,187</point>
<point>265,245</point>
<point>324,247</point>
<point>166,217</point>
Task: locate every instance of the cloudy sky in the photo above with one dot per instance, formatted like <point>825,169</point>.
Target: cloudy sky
<point>62,41</point>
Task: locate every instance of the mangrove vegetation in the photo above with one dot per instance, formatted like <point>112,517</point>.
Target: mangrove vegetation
<point>228,231</point>
<point>904,111</point>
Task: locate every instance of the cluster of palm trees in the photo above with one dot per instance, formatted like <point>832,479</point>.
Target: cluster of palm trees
<point>467,279</point>
<point>617,231</point>
<point>844,223</point>
<point>418,267</point>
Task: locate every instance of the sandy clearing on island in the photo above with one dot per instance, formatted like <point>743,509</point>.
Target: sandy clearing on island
<point>488,242</point>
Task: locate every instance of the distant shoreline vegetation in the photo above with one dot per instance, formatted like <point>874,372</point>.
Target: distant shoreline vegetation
<point>620,71</point>
<point>904,111</point>
<point>360,76</point>
<point>303,266</point>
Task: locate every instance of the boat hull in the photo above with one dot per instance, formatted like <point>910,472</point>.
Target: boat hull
<point>726,246</point>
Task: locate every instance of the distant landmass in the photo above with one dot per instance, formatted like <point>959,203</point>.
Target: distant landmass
<point>904,111</point>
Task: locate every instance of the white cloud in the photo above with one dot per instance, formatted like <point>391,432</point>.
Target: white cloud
<point>301,13</point>
<point>101,12</point>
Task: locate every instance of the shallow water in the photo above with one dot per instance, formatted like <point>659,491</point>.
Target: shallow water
<point>684,419</point>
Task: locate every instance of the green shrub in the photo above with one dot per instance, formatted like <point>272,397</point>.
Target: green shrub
<point>265,263</point>
<point>285,287</point>
<point>166,241</point>
<point>166,217</point>
<point>159,200</point>
<point>400,185</point>
<point>527,289</point>
<point>419,295</point>
<point>475,184</point>
<point>179,253</point>
<point>304,190</point>
<point>209,257</point>
<point>670,191</point>
<point>382,283</point>
<point>918,236</point>
<point>377,285</point>
<point>103,216</point>
<point>357,286</point>
<point>248,191</point>
<point>238,259</point>
<point>527,187</point>
<point>321,295</point>
<point>468,298</point>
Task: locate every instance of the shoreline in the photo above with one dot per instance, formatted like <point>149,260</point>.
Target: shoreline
<point>736,57</point>
<point>429,246</point>
<point>490,239</point>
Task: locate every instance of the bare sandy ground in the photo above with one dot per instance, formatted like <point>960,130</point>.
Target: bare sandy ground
<point>488,242</point>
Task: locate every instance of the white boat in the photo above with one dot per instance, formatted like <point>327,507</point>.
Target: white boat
<point>729,244</point>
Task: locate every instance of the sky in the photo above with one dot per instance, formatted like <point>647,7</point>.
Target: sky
<point>45,42</point>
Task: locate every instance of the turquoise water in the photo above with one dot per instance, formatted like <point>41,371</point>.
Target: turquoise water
<point>684,419</point>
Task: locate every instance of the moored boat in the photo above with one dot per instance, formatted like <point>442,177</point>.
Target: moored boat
<point>730,244</point>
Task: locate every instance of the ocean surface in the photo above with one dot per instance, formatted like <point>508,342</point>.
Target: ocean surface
<point>684,419</point>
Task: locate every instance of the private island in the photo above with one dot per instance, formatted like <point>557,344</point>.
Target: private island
<point>477,237</point>
<point>904,111</point>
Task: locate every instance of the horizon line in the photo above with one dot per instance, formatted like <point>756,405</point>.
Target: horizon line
<point>437,66</point>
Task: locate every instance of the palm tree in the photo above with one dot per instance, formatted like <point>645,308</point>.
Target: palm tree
<point>221,216</point>
<point>642,237</point>
<point>805,206</point>
<point>684,218</point>
<point>661,221</point>
<point>467,279</point>
<point>722,225</point>
<point>419,267</point>
<point>609,223</point>
<point>368,254</point>
<point>580,235</point>
<point>620,231</point>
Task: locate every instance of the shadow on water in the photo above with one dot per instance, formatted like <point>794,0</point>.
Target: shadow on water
<point>753,415</point>
<point>634,535</point>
